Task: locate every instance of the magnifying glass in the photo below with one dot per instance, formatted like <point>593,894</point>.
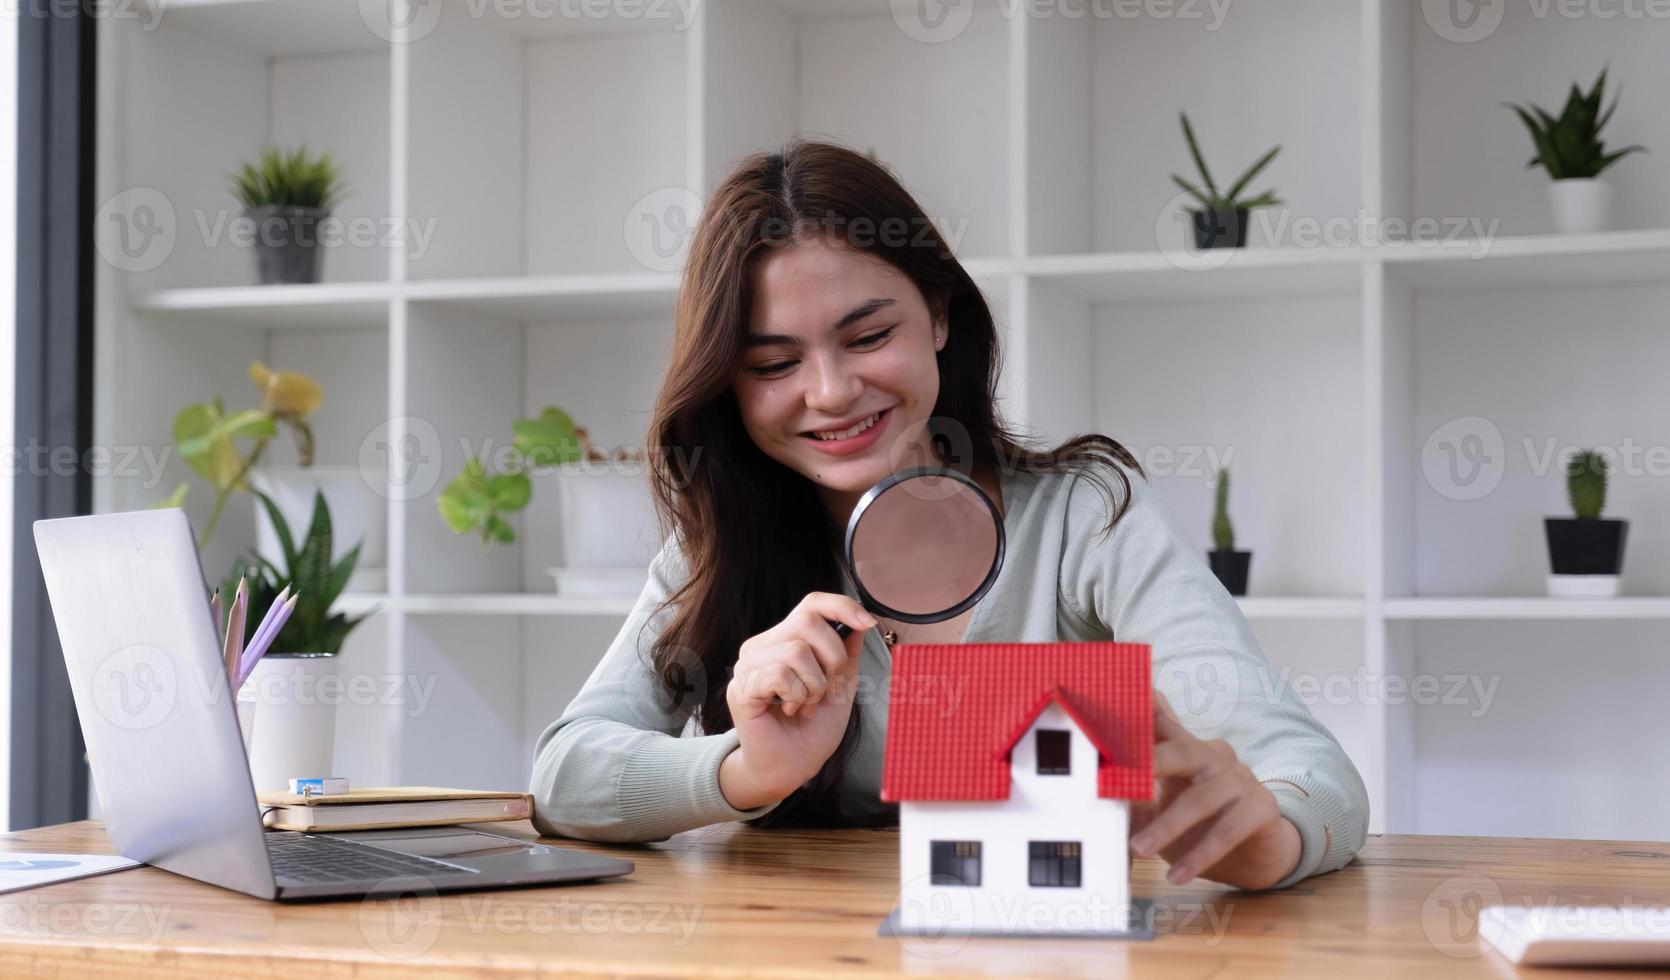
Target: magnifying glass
<point>923,546</point>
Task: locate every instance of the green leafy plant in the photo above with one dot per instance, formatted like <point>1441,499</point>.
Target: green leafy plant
<point>1209,196</point>
<point>312,627</point>
<point>1586,484</point>
<point>294,179</point>
<point>1570,147</point>
<point>1223,532</point>
<point>207,437</point>
<point>477,500</point>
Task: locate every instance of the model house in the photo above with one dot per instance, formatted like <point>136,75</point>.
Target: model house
<point>1014,766</point>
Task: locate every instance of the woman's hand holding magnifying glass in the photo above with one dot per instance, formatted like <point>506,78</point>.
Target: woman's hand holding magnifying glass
<point>790,697</point>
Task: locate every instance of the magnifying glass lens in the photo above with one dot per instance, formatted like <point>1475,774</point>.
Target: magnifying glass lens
<point>926,545</point>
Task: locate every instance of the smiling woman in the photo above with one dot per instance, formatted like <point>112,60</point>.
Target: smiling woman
<point>826,337</point>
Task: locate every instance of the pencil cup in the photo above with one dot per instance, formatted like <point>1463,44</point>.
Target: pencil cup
<point>246,715</point>
<point>293,730</point>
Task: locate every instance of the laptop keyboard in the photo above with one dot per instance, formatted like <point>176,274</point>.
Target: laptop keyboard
<point>307,859</point>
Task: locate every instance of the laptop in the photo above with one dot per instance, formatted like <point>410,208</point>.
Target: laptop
<point>161,728</point>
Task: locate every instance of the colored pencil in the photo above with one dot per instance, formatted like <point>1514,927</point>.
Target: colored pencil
<point>258,648</point>
<point>233,643</point>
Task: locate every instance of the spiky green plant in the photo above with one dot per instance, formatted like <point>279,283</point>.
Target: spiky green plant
<point>1586,484</point>
<point>1213,199</point>
<point>294,179</point>
<point>1223,532</point>
<point>1570,147</point>
<point>312,627</point>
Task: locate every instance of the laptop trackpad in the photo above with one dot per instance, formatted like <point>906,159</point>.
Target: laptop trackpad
<point>510,859</point>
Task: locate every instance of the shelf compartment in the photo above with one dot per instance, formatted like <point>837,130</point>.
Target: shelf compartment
<point>1464,153</point>
<point>201,98</point>
<point>1101,121</point>
<point>562,129</point>
<point>1190,387</point>
<point>775,70</point>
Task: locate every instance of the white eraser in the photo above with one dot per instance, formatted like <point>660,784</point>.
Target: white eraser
<point>319,785</point>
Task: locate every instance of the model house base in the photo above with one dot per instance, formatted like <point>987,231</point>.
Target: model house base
<point>1139,924</point>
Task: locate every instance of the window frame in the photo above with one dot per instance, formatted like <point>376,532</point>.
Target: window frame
<point>1060,739</point>
<point>1058,859</point>
<point>961,855</point>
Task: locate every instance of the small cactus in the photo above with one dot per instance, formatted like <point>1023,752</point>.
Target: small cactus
<point>1586,484</point>
<point>1223,532</point>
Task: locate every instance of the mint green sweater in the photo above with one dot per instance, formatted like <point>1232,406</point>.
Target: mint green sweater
<point>620,765</point>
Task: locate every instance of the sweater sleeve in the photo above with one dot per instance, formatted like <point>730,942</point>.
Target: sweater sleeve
<point>614,766</point>
<point>1144,584</point>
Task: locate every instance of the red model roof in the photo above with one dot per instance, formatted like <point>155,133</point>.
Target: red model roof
<point>956,710</point>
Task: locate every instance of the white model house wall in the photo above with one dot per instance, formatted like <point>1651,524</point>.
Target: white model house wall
<point>1039,808</point>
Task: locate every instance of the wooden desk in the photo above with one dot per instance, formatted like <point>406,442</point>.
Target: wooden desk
<point>731,899</point>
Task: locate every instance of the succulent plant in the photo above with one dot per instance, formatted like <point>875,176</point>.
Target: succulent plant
<point>1209,196</point>
<point>1586,484</point>
<point>317,582</point>
<point>1223,532</point>
<point>1570,146</point>
<point>296,179</point>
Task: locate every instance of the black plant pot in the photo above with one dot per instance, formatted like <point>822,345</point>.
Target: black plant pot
<point>287,244</point>
<point>1231,568</point>
<point>1221,229</point>
<point>1585,546</point>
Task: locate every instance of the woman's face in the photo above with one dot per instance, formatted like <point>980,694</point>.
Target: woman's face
<point>838,374</point>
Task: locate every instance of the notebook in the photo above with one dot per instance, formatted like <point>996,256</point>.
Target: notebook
<point>382,808</point>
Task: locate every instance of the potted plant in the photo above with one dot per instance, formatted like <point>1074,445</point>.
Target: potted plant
<point>293,724</point>
<point>1585,552</point>
<point>1221,219</point>
<point>1230,566</point>
<point>476,500</point>
<point>1571,150</point>
<point>287,196</point>
<point>209,440</point>
<point>607,518</point>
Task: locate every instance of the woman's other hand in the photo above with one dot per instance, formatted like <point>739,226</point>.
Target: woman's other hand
<point>1212,816</point>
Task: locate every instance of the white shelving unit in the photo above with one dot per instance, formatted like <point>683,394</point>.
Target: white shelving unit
<point>524,149</point>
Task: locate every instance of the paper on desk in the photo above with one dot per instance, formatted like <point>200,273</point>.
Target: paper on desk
<point>23,870</point>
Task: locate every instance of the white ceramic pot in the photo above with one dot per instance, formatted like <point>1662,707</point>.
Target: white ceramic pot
<point>358,514</point>
<point>608,517</point>
<point>290,702</point>
<point>1580,205</point>
<point>1583,586</point>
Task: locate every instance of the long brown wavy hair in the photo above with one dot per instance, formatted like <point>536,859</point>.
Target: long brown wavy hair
<point>754,534</point>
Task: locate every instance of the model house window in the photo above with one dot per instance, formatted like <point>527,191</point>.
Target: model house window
<point>1053,863</point>
<point>1054,751</point>
<point>955,862</point>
